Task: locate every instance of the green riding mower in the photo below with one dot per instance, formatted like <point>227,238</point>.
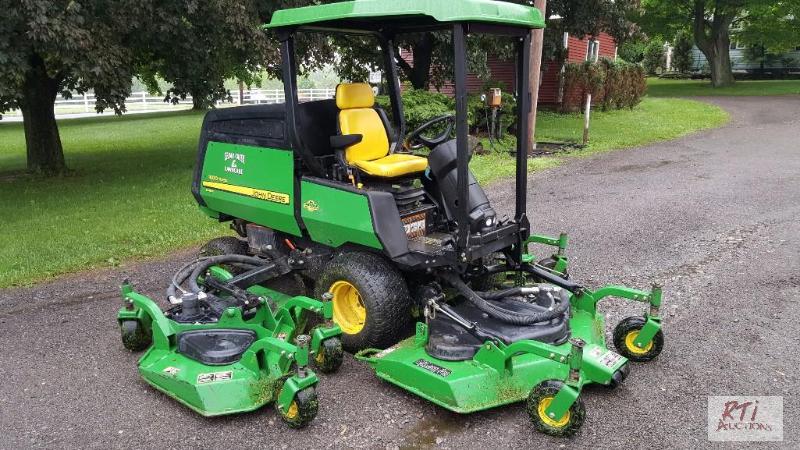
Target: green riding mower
<point>427,283</point>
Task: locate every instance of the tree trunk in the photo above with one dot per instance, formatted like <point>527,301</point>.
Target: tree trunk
<point>423,55</point>
<point>45,153</point>
<point>419,71</point>
<point>721,70</point>
<point>199,102</point>
<point>714,40</point>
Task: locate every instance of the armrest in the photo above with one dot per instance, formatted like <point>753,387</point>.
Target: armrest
<point>346,140</point>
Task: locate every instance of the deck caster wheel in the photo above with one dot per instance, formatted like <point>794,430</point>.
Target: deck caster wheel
<point>550,264</point>
<point>539,400</point>
<point>302,410</point>
<point>625,334</point>
<point>330,355</point>
<point>134,336</point>
<point>371,303</point>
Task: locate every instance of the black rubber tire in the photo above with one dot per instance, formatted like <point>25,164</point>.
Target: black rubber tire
<point>550,263</point>
<point>491,282</point>
<point>549,388</point>
<point>307,407</point>
<point>383,291</point>
<point>636,323</point>
<point>134,336</point>
<point>226,245</point>
<point>619,376</point>
<point>330,355</point>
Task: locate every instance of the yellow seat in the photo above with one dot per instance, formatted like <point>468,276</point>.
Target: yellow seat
<point>357,115</point>
<point>394,165</point>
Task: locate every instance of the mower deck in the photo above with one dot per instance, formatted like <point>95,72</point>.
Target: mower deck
<point>495,376</point>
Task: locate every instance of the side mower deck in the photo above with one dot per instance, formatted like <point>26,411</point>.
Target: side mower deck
<point>238,362</point>
<point>549,376</point>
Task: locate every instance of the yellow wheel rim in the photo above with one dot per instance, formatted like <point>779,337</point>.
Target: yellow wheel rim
<point>543,405</point>
<point>348,308</point>
<point>294,411</point>
<point>320,357</point>
<point>631,345</point>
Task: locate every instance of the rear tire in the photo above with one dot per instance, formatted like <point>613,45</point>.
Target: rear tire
<point>371,302</point>
<point>226,245</point>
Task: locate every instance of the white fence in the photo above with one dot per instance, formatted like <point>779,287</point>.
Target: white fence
<point>143,101</point>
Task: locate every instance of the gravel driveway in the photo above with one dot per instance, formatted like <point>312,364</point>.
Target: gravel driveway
<point>714,216</point>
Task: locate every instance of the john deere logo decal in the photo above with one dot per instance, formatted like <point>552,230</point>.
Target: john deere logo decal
<point>311,206</point>
<point>236,163</point>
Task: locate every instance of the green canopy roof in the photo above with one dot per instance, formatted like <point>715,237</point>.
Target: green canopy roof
<point>486,11</point>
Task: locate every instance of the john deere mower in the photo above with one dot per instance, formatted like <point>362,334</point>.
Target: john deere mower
<point>428,284</point>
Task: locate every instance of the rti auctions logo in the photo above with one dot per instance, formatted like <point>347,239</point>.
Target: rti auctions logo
<point>745,418</point>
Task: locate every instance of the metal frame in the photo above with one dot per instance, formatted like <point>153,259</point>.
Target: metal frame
<point>385,37</point>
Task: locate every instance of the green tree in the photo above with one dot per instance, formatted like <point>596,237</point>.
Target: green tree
<point>205,43</point>
<point>710,21</point>
<point>49,47</point>
<point>430,60</point>
<point>772,27</point>
<point>654,58</point>
<point>758,21</point>
<point>682,52</point>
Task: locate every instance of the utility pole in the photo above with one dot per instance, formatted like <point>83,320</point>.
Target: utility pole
<point>537,43</point>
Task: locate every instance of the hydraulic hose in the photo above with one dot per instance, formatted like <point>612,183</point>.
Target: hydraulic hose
<point>557,309</point>
<point>194,269</point>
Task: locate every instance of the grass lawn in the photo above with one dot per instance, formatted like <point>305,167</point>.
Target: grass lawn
<point>655,119</point>
<point>694,88</point>
<point>129,196</point>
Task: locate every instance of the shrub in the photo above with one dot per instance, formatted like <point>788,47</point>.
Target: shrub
<point>632,51</point>
<point>682,52</point>
<point>613,84</point>
<point>478,113</point>
<point>654,60</point>
<point>420,106</point>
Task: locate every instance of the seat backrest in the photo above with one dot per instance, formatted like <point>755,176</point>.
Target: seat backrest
<point>357,115</point>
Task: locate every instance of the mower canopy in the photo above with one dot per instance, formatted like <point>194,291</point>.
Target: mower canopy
<point>406,15</point>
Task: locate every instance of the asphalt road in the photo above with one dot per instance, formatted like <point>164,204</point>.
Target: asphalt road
<point>714,216</point>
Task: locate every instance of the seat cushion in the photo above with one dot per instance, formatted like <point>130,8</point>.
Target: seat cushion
<point>394,165</point>
<point>366,122</point>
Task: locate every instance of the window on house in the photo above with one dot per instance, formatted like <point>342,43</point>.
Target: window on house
<point>593,50</point>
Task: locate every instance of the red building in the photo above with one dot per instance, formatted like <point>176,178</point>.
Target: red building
<point>578,50</point>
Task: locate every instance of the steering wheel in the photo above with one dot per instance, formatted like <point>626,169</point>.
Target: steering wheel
<point>416,140</point>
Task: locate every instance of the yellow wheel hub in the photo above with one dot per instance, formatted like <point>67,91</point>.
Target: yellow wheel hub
<point>543,405</point>
<point>348,308</point>
<point>294,411</point>
<point>630,343</point>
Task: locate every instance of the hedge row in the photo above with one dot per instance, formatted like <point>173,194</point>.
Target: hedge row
<point>613,84</point>
<point>421,106</point>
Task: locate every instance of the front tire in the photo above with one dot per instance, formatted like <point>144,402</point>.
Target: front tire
<point>302,410</point>
<point>625,334</point>
<point>330,355</point>
<point>134,336</point>
<point>539,400</point>
<point>371,303</point>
